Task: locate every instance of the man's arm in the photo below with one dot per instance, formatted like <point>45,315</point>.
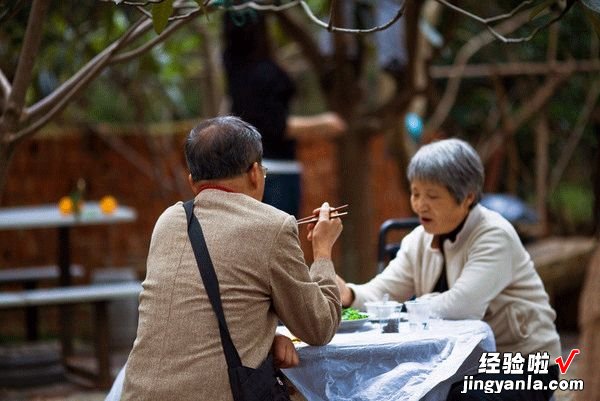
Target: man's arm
<point>306,300</point>
<point>324,125</point>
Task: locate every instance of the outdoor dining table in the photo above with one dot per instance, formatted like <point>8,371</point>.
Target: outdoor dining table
<point>49,216</point>
<point>367,365</point>
<point>410,365</point>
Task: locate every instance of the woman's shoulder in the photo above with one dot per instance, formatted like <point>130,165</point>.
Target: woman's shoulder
<point>491,223</point>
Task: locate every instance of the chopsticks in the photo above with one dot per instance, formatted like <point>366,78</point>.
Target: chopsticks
<point>315,217</point>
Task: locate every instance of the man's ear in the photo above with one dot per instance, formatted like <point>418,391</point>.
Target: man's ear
<point>254,175</point>
<point>194,185</point>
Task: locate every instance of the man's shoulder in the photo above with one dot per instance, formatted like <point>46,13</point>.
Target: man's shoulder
<point>262,213</point>
<point>244,209</point>
<point>173,215</point>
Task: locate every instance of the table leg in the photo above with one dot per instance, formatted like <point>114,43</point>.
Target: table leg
<point>31,316</point>
<point>102,334</point>
<point>65,311</point>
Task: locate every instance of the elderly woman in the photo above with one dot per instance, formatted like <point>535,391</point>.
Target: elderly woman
<point>469,263</point>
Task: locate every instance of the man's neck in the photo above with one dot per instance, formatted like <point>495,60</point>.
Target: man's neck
<point>236,184</point>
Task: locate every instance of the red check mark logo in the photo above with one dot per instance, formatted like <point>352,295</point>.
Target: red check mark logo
<point>564,366</point>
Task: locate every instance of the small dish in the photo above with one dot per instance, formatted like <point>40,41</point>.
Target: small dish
<point>351,325</point>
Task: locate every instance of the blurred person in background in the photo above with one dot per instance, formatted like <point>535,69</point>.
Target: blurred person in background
<point>261,91</point>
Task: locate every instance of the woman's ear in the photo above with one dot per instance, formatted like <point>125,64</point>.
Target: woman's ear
<point>469,199</point>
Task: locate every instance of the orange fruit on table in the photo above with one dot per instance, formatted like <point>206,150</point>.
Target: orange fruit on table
<point>108,204</point>
<point>65,205</point>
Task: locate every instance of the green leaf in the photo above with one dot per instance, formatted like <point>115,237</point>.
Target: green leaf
<point>594,19</point>
<point>160,15</point>
<point>539,8</point>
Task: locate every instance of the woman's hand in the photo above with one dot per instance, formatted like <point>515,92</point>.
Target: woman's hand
<point>284,352</point>
<point>324,233</point>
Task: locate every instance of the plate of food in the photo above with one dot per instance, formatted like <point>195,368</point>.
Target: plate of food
<point>352,319</point>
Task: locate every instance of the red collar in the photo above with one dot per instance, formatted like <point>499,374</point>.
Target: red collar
<point>213,186</point>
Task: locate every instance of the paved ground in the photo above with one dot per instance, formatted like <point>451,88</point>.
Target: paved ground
<point>70,391</point>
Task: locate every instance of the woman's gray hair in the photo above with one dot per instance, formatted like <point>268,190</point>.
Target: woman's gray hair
<point>452,163</point>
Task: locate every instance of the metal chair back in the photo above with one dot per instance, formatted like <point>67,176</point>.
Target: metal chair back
<point>386,250</point>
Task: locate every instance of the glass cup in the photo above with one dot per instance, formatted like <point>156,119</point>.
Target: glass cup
<point>382,312</point>
<point>419,312</point>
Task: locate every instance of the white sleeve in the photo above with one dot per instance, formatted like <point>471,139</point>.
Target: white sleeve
<point>397,279</point>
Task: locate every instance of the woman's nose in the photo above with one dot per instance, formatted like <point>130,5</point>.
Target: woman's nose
<point>420,206</point>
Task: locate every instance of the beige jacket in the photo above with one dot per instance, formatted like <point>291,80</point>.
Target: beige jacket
<point>263,277</point>
<point>491,278</point>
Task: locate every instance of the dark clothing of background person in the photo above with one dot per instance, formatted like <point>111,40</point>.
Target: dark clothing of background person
<point>260,92</point>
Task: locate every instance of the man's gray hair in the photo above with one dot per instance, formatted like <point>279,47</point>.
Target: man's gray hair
<point>222,147</point>
<point>452,163</point>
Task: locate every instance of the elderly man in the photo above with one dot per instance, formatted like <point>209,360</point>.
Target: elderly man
<point>259,264</point>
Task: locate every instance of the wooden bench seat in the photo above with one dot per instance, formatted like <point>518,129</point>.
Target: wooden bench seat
<point>80,294</point>
<point>99,296</point>
<point>29,278</point>
<point>35,274</point>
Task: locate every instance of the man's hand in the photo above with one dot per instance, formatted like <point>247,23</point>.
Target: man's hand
<point>346,292</point>
<point>284,352</point>
<point>324,234</point>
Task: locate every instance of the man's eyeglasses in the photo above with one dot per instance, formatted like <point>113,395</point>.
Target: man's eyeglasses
<point>263,168</point>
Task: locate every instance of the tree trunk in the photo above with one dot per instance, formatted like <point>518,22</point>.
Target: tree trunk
<point>6,152</point>
<point>542,139</point>
<point>596,177</point>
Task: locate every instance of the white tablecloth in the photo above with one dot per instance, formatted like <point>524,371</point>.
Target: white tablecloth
<point>411,365</point>
<point>368,365</point>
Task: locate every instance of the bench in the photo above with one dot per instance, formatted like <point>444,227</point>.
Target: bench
<point>29,278</point>
<point>35,274</point>
<point>98,295</point>
<point>561,263</point>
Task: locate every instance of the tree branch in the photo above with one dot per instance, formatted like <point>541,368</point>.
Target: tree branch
<point>305,40</point>
<point>331,28</point>
<point>101,59</point>
<point>508,69</point>
<point>575,137</point>
<point>31,43</point>
<point>5,87</point>
<point>542,95</point>
<point>76,83</point>
<point>151,43</point>
<point>496,33</point>
<point>464,54</point>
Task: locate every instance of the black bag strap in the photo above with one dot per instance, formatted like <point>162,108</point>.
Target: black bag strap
<point>211,284</point>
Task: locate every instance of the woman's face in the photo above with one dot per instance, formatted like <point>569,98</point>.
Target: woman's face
<point>437,209</point>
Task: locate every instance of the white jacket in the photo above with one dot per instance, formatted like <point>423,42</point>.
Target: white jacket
<point>491,278</point>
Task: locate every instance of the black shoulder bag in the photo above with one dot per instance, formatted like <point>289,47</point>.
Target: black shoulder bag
<point>247,384</point>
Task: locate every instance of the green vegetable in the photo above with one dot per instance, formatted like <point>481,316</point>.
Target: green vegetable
<point>352,314</point>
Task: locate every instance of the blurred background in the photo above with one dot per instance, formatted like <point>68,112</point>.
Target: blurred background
<point>113,110</point>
